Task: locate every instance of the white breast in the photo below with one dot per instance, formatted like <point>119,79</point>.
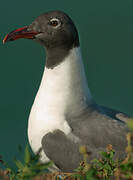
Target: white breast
<point>63,90</point>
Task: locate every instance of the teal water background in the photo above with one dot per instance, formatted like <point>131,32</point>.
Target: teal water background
<point>106,34</point>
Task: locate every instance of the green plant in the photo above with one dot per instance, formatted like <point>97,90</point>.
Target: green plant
<point>85,171</point>
<point>105,168</point>
<point>125,169</point>
<point>28,168</point>
<point>106,165</point>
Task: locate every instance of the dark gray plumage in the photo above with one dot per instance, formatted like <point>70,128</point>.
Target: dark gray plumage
<point>96,127</point>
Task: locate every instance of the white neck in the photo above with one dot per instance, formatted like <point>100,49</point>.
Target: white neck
<point>64,87</point>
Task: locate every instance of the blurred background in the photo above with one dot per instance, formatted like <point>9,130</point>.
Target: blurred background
<point>106,34</point>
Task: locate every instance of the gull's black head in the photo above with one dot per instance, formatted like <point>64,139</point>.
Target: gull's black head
<point>52,29</point>
<point>55,30</point>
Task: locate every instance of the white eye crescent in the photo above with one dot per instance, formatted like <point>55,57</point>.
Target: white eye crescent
<point>55,22</point>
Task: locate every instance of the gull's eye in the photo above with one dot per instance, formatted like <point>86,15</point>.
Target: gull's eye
<point>55,22</point>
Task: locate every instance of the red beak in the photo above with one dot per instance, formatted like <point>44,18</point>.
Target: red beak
<point>20,33</point>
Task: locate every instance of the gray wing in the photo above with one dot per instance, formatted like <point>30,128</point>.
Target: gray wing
<point>61,150</point>
<point>100,126</point>
<point>96,128</point>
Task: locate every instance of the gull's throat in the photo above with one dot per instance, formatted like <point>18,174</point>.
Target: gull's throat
<point>65,86</point>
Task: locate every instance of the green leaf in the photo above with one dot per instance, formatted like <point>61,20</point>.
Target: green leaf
<point>104,154</point>
<point>78,176</point>
<point>19,164</point>
<point>130,124</point>
<point>27,155</point>
<point>41,166</point>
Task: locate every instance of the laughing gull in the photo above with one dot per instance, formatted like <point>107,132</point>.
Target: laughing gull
<point>64,115</point>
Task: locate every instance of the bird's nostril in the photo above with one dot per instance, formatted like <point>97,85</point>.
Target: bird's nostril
<point>29,28</point>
